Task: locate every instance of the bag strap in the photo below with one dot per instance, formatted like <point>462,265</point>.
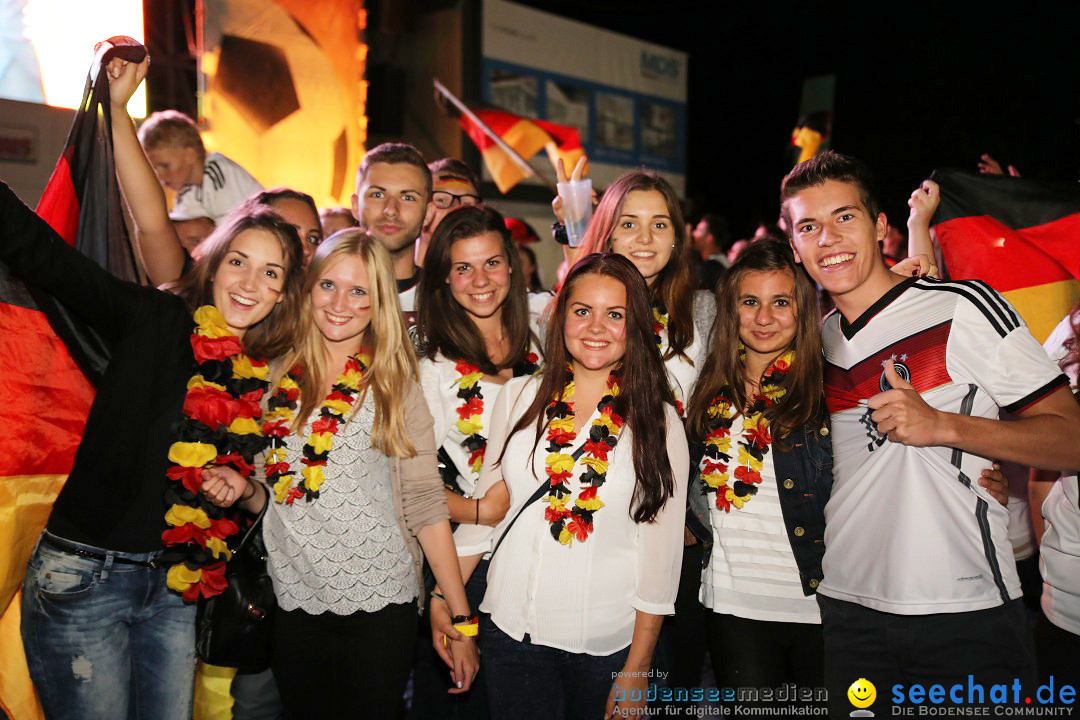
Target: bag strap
<point>537,494</point>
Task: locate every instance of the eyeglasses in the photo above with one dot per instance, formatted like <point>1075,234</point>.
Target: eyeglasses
<point>443,199</point>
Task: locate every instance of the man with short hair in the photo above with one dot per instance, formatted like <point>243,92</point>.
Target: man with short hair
<point>454,184</point>
<point>393,203</point>
<point>919,583</point>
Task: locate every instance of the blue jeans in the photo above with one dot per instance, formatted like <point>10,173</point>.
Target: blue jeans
<point>535,681</point>
<point>106,639</point>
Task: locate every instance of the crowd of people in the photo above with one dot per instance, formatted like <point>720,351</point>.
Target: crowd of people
<point>670,451</point>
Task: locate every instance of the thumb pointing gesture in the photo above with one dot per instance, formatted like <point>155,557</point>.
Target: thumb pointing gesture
<point>894,379</point>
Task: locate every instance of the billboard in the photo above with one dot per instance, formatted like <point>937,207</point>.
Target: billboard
<point>626,97</point>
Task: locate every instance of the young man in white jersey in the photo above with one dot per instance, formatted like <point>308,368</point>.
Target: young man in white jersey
<point>920,587</point>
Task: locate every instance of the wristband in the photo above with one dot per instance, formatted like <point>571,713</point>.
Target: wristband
<point>254,490</point>
<point>467,626</point>
<point>437,596</point>
<point>477,512</point>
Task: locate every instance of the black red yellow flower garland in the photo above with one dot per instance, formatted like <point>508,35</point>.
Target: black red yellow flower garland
<point>219,427</point>
<point>470,415</point>
<point>281,410</point>
<point>576,522</point>
<point>755,438</point>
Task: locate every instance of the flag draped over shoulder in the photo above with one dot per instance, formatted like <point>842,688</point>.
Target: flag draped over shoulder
<point>1020,236</point>
<point>526,136</point>
<point>48,361</point>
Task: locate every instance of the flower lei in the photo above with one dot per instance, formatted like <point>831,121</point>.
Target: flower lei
<point>219,427</point>
<point>755,441</point>
<point>576,522</point>
<point>660,323</point>
<point>470,414</point>
<point>279,417</point>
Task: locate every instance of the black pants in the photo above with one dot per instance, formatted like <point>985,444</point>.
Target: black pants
<point>993,646</point>
<point>1058,653</point>
<point>760,654</point>
<point>344,666</point>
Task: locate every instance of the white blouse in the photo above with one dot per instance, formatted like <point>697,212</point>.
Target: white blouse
<point>752,572</point>
<point>439,381</point>
<point>683,371</point>
<point>581,598</point>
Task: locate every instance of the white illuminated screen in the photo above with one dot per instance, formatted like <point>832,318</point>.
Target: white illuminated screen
<point>47,46</point>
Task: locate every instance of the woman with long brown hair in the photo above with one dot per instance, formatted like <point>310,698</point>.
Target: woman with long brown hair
<point>586,560</point>
<point>640,218</point>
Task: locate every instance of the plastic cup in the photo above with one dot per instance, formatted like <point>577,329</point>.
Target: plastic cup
<point>577,208</point>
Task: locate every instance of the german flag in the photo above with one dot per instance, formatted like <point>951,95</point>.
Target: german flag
<point>1020,236</point>
<point>48,361</point>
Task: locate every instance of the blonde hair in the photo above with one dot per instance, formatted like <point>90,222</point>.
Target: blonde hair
<point>392,363</point>
<point>171,129</point>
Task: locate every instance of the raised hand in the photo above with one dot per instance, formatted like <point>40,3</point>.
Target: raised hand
<point>576,174</point>
<point>223,486</point>
<point>124,77</point>
<point>903,415</point>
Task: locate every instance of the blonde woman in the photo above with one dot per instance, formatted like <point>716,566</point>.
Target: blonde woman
<point>355,494</point>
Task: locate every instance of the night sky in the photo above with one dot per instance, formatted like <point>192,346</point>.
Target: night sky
<point>919,85</point>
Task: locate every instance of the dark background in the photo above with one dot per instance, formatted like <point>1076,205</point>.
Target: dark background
<point>919,85</point>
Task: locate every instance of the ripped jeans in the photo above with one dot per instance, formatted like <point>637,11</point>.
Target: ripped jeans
<point>104,638</point>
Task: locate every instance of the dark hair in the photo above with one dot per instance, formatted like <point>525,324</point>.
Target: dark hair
<point>719,229</point>
<point>674,287</point>
<point>532,282</point>
<point>442,324</point>
<point>642,398</point>
<point>267,198</point>
<point>724,367</point>
<point>395,154</point>
<point>338,211</point>
<point>828,165</point>
<point>454,168</point>
<point>274,335</point>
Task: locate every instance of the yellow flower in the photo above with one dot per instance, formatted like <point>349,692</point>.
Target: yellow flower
<point>751,422</point>
<point>211,323</point>
<point>192,454</point>
<point>321,442</point>
<point>605,421</point>
<point>288,383</point>
<point>243,368</point>
<point>183,514</point>
<point>282,487</point>
<point>557,503</point>
<point>568,392</point>
<point>244,426</point>
<point>593,504</point>
<point>313,474</point>
<point>566,537</point>
<point>281,413</point>
<point>218,547</point>
<point>713,480</point>
<point>723,444</point>
<point>478,464</point>
<point>276,455</point>
<point>467,381</point>
<point>565,424</point>
<point>774,392</point>
<point>198,381</point>
<point>339,406</point>
<point>470,426</point>
<point>560,462</point>
<point>596,464</point>
<point>744,456</point>
<point>615,389</point>
<point>352,379</point>
<point>180,577</point>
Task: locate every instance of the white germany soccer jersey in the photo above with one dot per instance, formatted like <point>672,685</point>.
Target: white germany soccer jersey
<point>909,530</point>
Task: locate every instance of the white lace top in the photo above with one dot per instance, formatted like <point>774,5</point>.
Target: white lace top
<point>343,552</point>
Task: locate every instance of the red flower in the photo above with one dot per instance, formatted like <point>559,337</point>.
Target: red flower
<point>464,368</point>
<point>222,528</point>
<point>722,503</point>
<point>474,406</point>
<point>588,492</point>
<point>579,529</point>
<point>276,468</point>
<point>215,348</point>
<point>338,395</point>
<point>325,424</point>
<point>476,455</point>
<point>189,476</point>
<point>553,516</point>
<point>760,436</point>
<point>598,450</point>
<point>210,406</point>
<point>277,428</point>
<point>679,408</point>
<point>747,475</point>
<point>558,478</point>
<point>186,533</point>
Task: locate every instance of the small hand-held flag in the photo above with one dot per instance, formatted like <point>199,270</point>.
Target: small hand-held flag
<point>44,396</point>
<point>1016,234</point>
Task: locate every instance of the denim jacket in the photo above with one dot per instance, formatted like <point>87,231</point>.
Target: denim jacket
<point>803,465</point>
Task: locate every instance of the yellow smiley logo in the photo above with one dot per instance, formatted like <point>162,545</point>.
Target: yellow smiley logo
<point>862,693</point>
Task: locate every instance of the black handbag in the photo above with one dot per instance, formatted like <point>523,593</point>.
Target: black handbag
<point>233,628</point>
